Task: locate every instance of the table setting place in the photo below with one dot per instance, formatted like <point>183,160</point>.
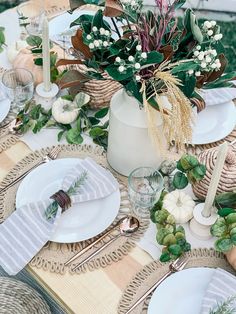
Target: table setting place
<point>117,160</point>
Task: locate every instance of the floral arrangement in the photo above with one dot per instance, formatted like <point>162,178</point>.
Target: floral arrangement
<point>152,55</point>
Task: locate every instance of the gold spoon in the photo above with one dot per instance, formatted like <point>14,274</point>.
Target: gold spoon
<point>127,227</point>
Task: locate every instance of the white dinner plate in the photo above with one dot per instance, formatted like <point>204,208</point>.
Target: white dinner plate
<point>214,123</point>
<point>5,105</point>
<point>182,292</point>
<point>62,22</point>
<point>80,222</point>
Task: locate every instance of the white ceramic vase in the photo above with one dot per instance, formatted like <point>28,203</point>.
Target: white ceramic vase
<point>129,145</point>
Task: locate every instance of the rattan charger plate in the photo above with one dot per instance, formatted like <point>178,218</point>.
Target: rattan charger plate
<point>19,298</point>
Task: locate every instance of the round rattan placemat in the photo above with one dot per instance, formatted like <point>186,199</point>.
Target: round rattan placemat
<point>53,255</point>
<point>152,272</point>
<point>18,297</point>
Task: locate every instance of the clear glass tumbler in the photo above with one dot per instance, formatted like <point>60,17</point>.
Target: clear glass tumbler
<point>30,15</point>
<point>19,86</point>
<point>145,185</point>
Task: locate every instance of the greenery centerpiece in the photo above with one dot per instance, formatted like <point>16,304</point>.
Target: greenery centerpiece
<point>151,54</point>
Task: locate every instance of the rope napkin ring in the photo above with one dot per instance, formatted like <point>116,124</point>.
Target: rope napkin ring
<point>31,226</point>
<point>63,199</point>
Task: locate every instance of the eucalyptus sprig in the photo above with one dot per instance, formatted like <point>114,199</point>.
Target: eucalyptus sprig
<point>34,117</point>
<point>226,307</point>
<point>190,171</point>
<point>169,235</point>
<point>2,38</point>
<point>52,209</point>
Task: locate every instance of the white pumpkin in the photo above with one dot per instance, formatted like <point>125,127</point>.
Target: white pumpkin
<point>180,205</point>
<point>64,111</point>
<point>15,48</point>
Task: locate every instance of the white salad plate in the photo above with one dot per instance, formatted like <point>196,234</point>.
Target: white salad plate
<point>182,292</point>
<point>62,22</point>
<point>214,123</point>
<point>5,105</point>
<point>81,221</point>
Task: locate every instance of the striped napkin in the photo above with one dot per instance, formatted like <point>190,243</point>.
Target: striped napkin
<point>27,230</point>
<point>221,288</point>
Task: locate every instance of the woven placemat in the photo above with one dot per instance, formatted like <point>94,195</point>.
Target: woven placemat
<point>151,273</point>
<point>53,256</point>
<point>18,297</point>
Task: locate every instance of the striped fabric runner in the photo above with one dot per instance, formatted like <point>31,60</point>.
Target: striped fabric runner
<point>27,230</point>
<point>221,287</point>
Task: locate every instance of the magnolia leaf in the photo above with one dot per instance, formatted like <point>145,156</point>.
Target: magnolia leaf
<point>185,66</point>
<point>199,172</point>
<point>78,44</point>
<point>72,78</point>
<point>167,52</point>
<point>178,4</point>
<point>113,8</point>
<point>62,62</point>
<point>180,180</point>
<point>153,57</point>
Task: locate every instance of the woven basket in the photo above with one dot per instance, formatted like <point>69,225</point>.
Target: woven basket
<point>18,297</point>
<point>100,91</point>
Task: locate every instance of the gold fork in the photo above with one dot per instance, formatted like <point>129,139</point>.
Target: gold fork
<point>175,266</point>
<point>52,155</point>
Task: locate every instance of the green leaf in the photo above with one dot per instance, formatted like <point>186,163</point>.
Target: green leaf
<point>180,180</point>
<point>34,41</point>
<point>231,218</point>
<point>112,70</point>
<point>223,245</point>
<point>96,132</point>
<point>197,34</point>
<point>93,120</point>
<point>219,228</point>
<point>38,61</point>
<point>226,199</point>
<point>83,19</point>
<point>60,134</point>
<point>199,172</point>
<point>68,97</point>
<point>153,57</point>
<point>74,137</point>
<point>178,4</point>
<point>175,249</point>
<point>165,257</point>
<point>233,239</point>
<point>184,67</point>
<point>225,211</point>
<point>101,113</point>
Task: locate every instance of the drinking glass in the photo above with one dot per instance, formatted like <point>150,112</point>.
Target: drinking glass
<point>145,185</point>
<point>31,15</point>
<point>19,86</point>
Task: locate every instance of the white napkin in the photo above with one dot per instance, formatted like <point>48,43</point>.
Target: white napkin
<point>27,230</point>
<point>221,287</point>
<point>218,96</point>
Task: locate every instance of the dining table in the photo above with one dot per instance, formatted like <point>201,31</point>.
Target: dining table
<point>100,289</point>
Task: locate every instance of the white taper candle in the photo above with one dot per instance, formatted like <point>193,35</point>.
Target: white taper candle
<point>46,56</point>
<point>215,178</point>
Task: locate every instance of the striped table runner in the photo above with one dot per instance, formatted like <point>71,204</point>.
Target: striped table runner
<point>95,292</point>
